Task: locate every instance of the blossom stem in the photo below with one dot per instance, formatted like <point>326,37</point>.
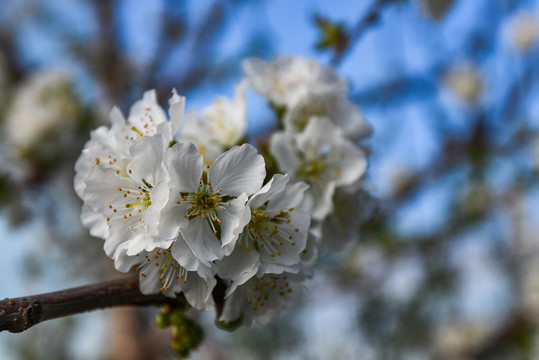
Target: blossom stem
<point>19,314</point>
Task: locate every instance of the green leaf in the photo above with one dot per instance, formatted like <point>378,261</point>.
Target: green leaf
<point>332,36</point>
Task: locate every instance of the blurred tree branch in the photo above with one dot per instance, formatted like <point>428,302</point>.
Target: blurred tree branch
<point>371,17</point>
<point>110,70</point>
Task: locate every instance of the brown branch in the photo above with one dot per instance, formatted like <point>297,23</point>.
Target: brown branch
<point>371,17</point>
<point>112,67</point>
<point>19,314</point>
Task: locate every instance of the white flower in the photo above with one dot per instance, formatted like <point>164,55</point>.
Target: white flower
<point>206,205</point>
<point>285,80</point>
<point>322,157</point>
<point>130,203</point>
<point>465,81</point>
<point>160,272</point>
<point>109,147</point>
<point>221,125</point>
<point>334,106</point>
<point>274,238</point>
<point>261,298</point>
<point>522,30</point>
<point>43,107</point>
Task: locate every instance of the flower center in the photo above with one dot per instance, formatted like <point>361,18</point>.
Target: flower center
<point>264,233</point>
<point>305,114</point>
<point>312,169</point>
<point>261,289</point>
<point>135,202</point>
<point>320,164</point>
<point>206,203</point>
<point>161,260</point>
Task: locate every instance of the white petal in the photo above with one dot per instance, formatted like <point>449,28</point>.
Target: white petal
<point>183,254</point>
<point>102,195</point>
<point>184,165</point>
<point>233,220</point>
<point>147,105</point>
<point>239,170</point>
<point>96,223</point>
<point>95,152</point>
<point>240,265</point>
<point>147,155</point>
<point>102,190</point>
<point>353,164</point>
<point>176,109</point>
<point>201,240</point>
<point>150,284</point>
<point>124,262</point>
<point>291,196</point>
<point>283,149</point>
<point>116,117</point>
<point>198,291</point>
<point>169,225</point>
<point>234,305</point>
<point>321,198</point>
<point>276,184</point>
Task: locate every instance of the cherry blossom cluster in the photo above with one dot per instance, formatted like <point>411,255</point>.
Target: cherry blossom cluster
<point>187,203</point>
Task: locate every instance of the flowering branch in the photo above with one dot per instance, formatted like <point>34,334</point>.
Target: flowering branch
<point>19,314</point>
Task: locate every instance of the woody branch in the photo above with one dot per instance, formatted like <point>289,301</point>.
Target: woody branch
<point>19,314</point>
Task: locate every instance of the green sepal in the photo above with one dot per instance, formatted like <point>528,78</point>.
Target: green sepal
<point>229,326</point>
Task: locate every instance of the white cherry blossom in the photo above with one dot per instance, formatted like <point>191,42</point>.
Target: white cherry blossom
<point>44,106</point>
<point>322,157</point>
<point>160,272</point>
<point>261,298</point>
<point>185,205</point>
<point>109,147</point>
<point>274,238</point>
<point>286,80</point>
<point>334,106</point>
<point>220,126</point>
<point>130,203</point>
<point>206,204</point>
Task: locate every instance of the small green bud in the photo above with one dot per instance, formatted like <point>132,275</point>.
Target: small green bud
<point>162,320</point>
<point>186,335</point>
<point>229,326</point>
<point>177,318</point>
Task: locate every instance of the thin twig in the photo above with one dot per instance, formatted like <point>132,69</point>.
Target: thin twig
<point>371,16</point>
<point>19,314</point>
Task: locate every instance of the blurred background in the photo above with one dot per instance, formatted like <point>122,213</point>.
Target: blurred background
<point>447,269</point>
